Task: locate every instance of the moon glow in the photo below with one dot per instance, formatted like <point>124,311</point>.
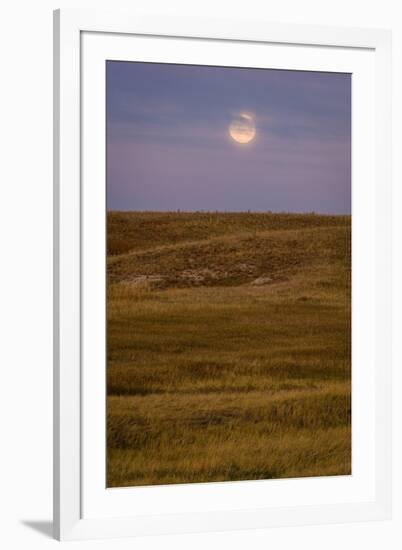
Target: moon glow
<point>242,128</point>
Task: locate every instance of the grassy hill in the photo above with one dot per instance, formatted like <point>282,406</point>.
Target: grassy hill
<point>228,346</point>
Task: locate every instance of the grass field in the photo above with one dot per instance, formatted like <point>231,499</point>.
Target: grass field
<point>229,347</point>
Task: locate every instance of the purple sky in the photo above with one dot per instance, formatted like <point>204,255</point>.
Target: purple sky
<point>168,145</point>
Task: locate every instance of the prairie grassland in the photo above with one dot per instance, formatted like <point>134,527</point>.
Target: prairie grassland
<point>229,346</point>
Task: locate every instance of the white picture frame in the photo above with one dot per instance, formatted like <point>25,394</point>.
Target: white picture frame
<point>83,506</point>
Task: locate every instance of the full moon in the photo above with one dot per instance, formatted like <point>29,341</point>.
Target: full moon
<point>242,128</point>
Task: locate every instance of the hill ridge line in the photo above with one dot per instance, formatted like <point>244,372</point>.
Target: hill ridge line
<point>214,239</point>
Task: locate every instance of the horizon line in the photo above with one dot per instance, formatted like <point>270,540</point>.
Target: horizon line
<point>249,211</point>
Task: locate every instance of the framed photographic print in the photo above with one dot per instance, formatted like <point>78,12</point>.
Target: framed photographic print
<point>222,275</point>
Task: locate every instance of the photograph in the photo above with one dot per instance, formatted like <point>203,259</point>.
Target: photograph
<point>228,269</point>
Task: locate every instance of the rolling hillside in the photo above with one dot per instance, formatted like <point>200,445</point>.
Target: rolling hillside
<point>228,346</point>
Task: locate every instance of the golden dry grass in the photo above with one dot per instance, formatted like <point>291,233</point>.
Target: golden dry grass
<point>228,347</point>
